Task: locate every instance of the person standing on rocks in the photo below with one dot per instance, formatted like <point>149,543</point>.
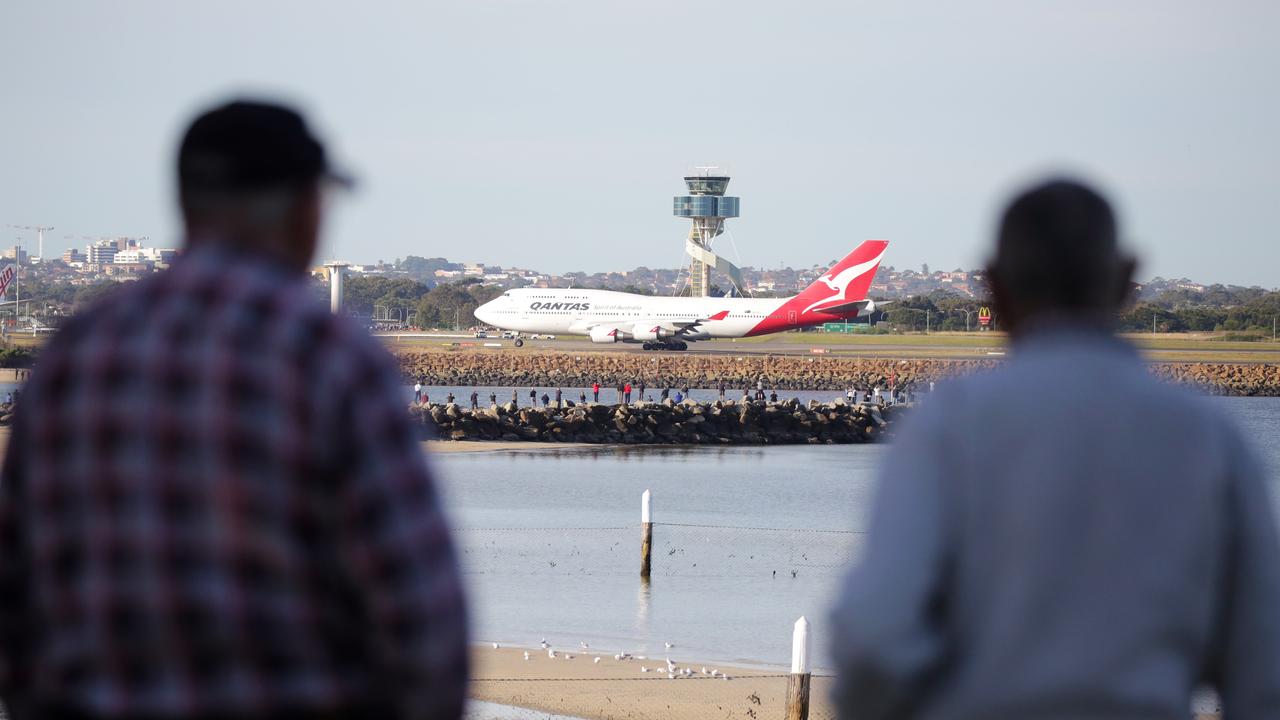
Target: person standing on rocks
<point>626,393</point>
<point>417,392</point>
<point>546,400</point>
<point>582,397</point>
<point>558,396</point>
<point>515,398</point>
<point>493,398</point>
<point>619,389</point>
<point>225,542</point>
<point>595,392</point>
<point>475,400</point>
<point>666,393</point>
<point>721,389</point>
<point>533,397</point>
<point>1097,566</point>
<point>448,399</point>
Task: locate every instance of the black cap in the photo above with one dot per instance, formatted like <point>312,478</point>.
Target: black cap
<point>246,146</point>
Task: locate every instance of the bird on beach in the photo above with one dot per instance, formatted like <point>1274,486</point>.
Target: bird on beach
<point>670,645</point>
<point>597,660</point>
<point>551,654</point>
<point>644,669</point>
<point>568,657</point>
<point>495,646</point>
<point>704,669</point>
<point>526,654</point>
<point>584,645</point>
<point>544,644</point>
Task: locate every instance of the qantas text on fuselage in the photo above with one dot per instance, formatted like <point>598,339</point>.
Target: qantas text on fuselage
<point>607,316</point>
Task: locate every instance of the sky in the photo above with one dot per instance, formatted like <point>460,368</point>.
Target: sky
<point>553,135</point>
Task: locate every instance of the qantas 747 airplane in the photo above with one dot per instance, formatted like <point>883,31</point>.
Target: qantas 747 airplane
<point>669,323</point>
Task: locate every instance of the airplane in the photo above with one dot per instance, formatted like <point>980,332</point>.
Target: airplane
<point>670,323</point>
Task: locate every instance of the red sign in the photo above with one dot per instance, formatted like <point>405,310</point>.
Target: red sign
<point>984,317</point>
<point>6,277</point>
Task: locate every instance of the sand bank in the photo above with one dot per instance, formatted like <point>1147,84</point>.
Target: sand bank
<point>612,688</point>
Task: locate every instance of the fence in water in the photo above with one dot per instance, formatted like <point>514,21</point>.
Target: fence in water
<point>650,552</point>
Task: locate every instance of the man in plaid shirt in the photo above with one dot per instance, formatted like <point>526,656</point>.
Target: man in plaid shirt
<point>212,505</point>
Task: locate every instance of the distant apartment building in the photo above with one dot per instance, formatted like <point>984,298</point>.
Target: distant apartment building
<point>101,253</point>
<point>72,256</point>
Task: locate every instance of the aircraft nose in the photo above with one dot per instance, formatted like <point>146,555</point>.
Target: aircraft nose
<point>484,313</point>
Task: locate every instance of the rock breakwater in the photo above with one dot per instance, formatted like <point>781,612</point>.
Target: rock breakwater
<point>563,369</point>
<point>783,372</point>
<point>663,423</point>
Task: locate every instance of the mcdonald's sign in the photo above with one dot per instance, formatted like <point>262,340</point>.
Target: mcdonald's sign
<point>984,317</point>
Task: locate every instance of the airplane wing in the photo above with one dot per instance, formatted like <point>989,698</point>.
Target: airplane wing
<point>672,326</point>
<point>851,308</point>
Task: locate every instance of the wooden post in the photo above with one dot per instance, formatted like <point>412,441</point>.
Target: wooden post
<point>646,535</point>
<point>798,682</point>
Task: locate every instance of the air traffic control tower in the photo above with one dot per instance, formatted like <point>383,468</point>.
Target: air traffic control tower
<point>708,207</point>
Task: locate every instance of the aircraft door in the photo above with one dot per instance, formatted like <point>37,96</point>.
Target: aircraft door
<point>791,317</point>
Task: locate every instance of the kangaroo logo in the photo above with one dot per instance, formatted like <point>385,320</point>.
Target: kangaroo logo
<point>839,282</point>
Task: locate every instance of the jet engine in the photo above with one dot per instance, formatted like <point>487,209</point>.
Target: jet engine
<point>601,334</point>
<point>646,333</point>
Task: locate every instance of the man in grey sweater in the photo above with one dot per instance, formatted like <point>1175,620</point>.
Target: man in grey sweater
<point>1037,551</point>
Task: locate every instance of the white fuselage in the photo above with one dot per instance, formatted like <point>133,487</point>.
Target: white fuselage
<point>577,311</point>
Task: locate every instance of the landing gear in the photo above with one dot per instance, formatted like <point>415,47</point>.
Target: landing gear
<point>518,343</point>
<point>673,345</point>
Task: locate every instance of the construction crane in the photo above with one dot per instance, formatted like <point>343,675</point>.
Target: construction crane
<point>39,235</point>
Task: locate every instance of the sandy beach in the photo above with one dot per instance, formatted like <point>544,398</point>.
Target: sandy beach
<point>610,688</point>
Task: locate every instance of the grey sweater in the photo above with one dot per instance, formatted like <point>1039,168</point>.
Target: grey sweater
<point>1064,537</point>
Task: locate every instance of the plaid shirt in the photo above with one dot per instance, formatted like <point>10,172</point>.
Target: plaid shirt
<point>213,504</point>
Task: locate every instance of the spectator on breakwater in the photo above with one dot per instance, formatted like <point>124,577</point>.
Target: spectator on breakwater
<point>493,398</point>
<point>595,392</point>
<point>626,393</point>
<point>515,397</point>
<point>220,541</point>
<point>417,392</point>
<point>1100,566</point>
<point>475,399</point>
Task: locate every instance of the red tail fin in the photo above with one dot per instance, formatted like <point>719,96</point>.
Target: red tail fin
<point>848,280</point>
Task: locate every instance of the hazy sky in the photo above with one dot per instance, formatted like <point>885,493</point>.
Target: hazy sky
<point>553,135</point>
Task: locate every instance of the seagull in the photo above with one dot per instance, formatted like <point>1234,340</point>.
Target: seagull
<point>568,657</point>
<point>715,673</point>
<point>551,654</point>
<point>670,645</point>
<point>597,660</point>
<point>644,669</point>
<point>704,669</point>
<point>495,646</point>
<point>526,654</point>
<point>544,644</point>
<point>584,645</point>
<point>670,676</point>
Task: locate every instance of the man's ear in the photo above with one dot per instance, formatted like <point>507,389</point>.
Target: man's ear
<point>1126,289</point>
<point>1005,315</point>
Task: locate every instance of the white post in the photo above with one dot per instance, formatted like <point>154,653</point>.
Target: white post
<point>646,536</point>
<point>798,683</point>
<point>800,647</point>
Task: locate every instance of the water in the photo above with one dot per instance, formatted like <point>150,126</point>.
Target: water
<point>713,591</point>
